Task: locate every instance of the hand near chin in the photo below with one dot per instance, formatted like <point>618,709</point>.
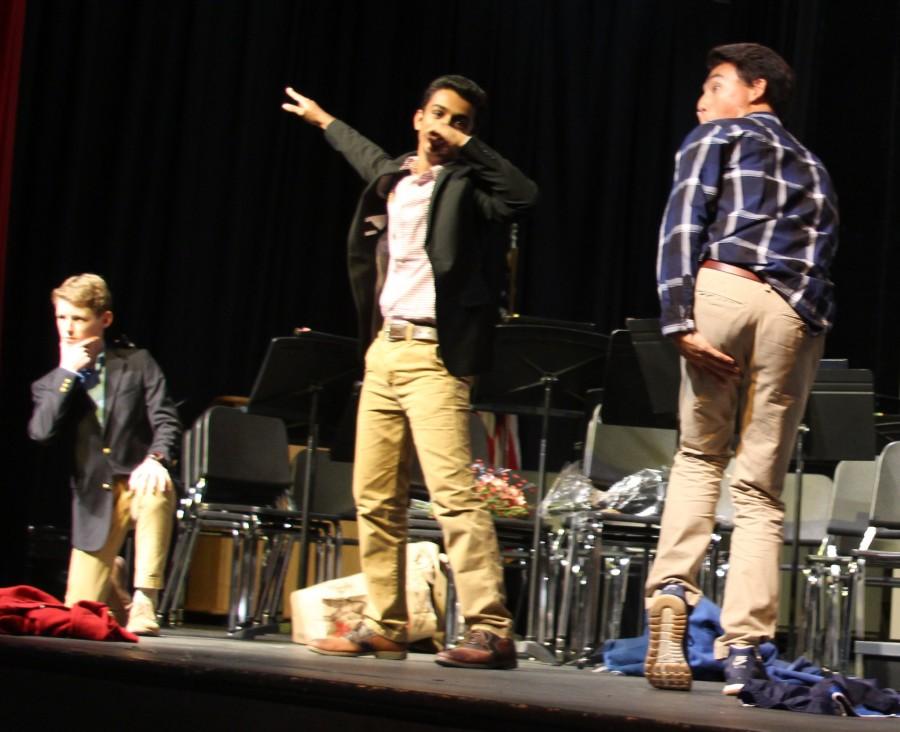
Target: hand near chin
<point>76,356</point>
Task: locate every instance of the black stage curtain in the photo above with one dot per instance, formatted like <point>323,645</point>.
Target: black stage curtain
<point>151,148</point>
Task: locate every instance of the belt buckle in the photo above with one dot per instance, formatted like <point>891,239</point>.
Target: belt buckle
<point>396,331</point>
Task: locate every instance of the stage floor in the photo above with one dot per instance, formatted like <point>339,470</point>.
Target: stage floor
<point>193,676</point>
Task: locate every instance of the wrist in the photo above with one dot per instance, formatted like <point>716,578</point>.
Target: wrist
<point>158,457</point>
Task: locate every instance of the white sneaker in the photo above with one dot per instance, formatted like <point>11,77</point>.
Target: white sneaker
<point>142,617</point>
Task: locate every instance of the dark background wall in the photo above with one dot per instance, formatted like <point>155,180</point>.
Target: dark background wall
<point>151,148</point>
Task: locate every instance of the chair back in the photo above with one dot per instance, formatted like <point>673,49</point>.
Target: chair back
<point>815,507</point>
<point>854,485</point>
<point>613,451</point>
<point>885,511</point>
<point>332,494</point>
<point>237,457</point>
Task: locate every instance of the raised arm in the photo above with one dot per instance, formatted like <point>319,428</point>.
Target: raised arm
<point>367,158</point>
<point>306,109</point>
<point>503,192</point>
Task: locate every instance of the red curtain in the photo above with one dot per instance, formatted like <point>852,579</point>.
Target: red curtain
<point>12,25</point>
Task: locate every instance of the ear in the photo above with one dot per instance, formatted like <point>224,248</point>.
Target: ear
<point>417,119</point>
<point>758,90</point>
<point>106,319</point>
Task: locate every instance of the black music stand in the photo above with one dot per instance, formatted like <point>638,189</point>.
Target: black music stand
<point>306,380</point>
<point>643,373</point>
<point>839,425</point>
<point>543,370</point>
<point>660,365</point>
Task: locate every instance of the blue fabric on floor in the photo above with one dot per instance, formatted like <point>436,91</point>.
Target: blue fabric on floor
<point>797,686</point>
<point>834,695</point>
<point>626,655</point>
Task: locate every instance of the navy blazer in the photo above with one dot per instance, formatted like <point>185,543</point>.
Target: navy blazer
<point>140,419</point>
<point>471,194</point>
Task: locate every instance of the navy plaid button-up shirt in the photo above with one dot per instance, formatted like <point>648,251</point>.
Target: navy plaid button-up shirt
<point>747,193</point>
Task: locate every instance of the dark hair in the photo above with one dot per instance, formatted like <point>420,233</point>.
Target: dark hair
<point>466,88</point>
<point>753,62</point>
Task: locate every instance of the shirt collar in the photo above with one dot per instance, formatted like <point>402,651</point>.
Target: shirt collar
<point>423,178</point>
<point>770,115</point>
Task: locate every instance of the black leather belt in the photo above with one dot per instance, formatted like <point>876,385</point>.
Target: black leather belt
<point>401,330</point>
<point>730,269</point>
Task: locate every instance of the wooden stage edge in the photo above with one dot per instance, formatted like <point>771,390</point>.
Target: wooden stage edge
<point>194,678</point>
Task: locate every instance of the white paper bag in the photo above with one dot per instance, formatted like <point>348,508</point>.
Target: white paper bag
<point>336,607</point>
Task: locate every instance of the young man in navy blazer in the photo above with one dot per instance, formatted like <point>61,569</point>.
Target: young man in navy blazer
<point>110,411</point>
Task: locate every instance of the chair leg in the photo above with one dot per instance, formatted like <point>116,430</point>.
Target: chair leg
<point>848,602</point>
<point>548,577</point>
<point>451,611</point>
<point>615,590</point>
<point>859,593</point>
<point>593,584</point>
<point>172,603</point>
<point>836,633</point>
<point>269,590</point>
<point>567,568</point>
<point>809,624</point>
<point>239,611</point>
<point>280,575</point>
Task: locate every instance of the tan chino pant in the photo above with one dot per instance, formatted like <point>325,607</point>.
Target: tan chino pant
<point>151,517</point>
<point>778,359</point>
<point>408,393</point>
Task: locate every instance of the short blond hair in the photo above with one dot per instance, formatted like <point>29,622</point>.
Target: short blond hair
<point>84,291</point>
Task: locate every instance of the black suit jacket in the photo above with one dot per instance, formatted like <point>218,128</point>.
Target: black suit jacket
<point>476,191</point>
<point>140,418</point>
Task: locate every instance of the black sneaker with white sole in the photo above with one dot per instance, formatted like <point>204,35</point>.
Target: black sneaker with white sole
<point>666,665</point>
<point>742,664</point>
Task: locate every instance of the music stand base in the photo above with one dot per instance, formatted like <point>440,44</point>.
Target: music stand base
<point>535,651</point>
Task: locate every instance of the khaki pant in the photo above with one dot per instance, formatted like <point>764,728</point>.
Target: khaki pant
<point>151,517</point>
<point>407,392</point>
<point>778,360</point>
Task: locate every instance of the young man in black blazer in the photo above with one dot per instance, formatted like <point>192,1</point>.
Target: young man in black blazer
<point>419,251</point>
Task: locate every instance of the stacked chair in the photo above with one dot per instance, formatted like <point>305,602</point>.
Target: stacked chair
<point>883,523</point>
<point>330,504</point>
<point>236,471</point>
<point>826,604</point>
<point>592,554</point>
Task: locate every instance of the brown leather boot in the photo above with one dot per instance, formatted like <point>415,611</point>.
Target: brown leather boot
<point>480,649</point>
<point>361,641</point>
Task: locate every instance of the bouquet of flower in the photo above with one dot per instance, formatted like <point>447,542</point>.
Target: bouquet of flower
<point>503,492</point>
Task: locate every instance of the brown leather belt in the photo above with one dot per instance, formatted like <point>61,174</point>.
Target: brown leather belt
<point>401,330</point>
<point>730,269</point>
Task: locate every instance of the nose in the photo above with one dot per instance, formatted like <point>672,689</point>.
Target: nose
<point>701,108</point>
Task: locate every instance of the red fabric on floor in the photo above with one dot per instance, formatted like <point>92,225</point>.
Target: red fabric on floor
<point>26,610</point>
